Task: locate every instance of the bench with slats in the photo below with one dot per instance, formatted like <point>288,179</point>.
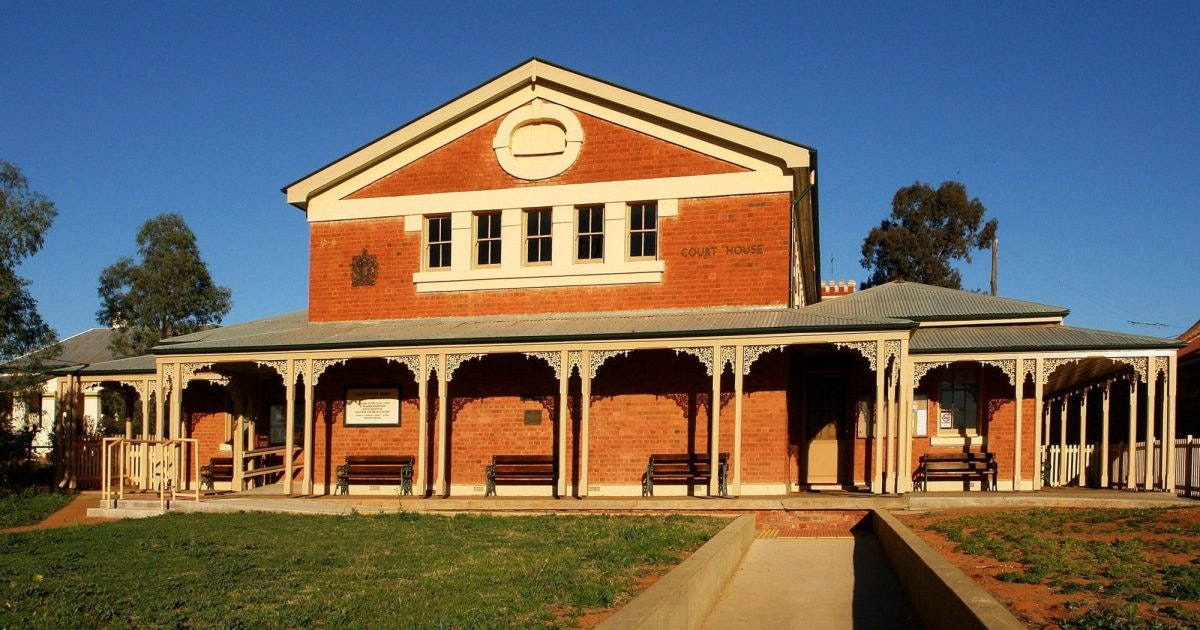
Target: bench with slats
<point>217,469</point>
<point>528,470</point>
<point>684,468</point>
<point>376,470</point>
<point>962,466</point>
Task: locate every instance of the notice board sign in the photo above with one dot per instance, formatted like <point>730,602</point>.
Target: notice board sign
<point>372,407</point>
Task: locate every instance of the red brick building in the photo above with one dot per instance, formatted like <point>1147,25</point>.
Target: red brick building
<point>555,265</point>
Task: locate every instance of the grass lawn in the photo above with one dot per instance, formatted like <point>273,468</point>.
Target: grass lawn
<point>29,507</point>
<point>1100,568</point>
<point>394,571</point>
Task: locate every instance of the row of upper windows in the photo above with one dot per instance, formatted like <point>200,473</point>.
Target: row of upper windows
<point>642,236</point>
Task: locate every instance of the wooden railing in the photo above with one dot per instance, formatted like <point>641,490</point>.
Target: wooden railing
<point>150,464</point>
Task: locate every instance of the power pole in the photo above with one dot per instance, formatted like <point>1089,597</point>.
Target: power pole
<point>995,261</point>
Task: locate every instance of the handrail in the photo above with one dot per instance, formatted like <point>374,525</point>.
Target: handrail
<point>164,456</point>
<point>270,450</point>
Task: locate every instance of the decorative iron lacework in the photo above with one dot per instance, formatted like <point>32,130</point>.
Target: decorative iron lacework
<point>575,361</point>
<point>138,386</point>
<point>921,369</point>
<point>1160,365</point>
<point>891,349</point>
<point>166,380</point>
<point>1139,365</point>
<point>728,357</point>
<point>363,269</point>
<point>1028,368</point>
<point>455,360</point>
<point>703,353</point>
<point>279,365</point>
<point>410,361</point>
<point>187,371</point>
<point>1008,366</point>
<point>868,349</point>
<point>1053,363</point>
<point>750,354</point>
<point>600,356</point>
<point>320,365</point>
<point>554,359</point>
<point>433,363</point>
<point>301,367</point>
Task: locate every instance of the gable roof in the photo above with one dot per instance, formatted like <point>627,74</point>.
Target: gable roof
<point>789,155</point>
<point>924,302</point>
<point>83,348</point>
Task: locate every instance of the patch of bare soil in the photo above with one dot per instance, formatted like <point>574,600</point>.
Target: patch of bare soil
<point>1045,606</point>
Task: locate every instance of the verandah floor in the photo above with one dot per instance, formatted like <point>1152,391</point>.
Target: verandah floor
<point>270,499</point>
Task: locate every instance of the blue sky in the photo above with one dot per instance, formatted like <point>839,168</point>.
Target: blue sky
<point>1075,123</point>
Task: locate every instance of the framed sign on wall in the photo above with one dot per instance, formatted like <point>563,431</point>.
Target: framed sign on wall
<point>372,407</point>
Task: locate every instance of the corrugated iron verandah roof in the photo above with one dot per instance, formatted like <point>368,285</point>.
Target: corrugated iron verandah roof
<point>1029,337</point>
<point>293,331</point>
<point>923,302</point>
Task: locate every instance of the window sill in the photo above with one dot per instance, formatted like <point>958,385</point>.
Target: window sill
<point>966,441</point>
<point>632,272</point>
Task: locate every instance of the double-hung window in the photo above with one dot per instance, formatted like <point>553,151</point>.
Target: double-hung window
<point>643,231</point>
<point>589,230</point>
<point>538,243</point>
<point>487,239</point>
<point>437,242</point>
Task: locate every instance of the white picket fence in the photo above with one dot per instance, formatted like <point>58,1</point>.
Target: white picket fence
<point>1187,465</point>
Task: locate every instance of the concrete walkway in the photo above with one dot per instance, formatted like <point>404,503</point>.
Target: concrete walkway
<point>813,583</point>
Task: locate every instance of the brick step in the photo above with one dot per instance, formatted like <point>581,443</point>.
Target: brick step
<point>812,523</point>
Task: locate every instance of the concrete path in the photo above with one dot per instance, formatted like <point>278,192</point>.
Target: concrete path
<point>813,583</point>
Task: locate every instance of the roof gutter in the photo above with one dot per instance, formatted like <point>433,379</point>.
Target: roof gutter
<point>464,341</point>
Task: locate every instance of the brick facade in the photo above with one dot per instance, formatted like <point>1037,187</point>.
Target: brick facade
<point>689,281</point>
<point>610,152</point>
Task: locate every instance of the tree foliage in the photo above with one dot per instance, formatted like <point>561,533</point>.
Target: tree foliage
<point>27,342</point>
<point>168,292</point>
<point>927,231</point>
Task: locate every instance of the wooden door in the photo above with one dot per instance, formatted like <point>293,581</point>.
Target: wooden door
<point>827,428</point>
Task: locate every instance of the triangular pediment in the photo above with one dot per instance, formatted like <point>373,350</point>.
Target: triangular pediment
<point>608,152</point>
<point>648,137</point>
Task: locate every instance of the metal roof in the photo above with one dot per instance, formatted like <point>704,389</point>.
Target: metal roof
<point>1039,337</point>
<point>923,302</point>
<point>143,364</point>
<point>89,346</point>
<point>293,332</point>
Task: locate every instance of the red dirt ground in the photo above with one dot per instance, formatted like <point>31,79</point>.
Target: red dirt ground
<point>1037,604</point>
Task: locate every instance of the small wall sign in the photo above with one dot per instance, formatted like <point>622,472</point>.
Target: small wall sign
<point>372,407</point>
<point>946,420</point>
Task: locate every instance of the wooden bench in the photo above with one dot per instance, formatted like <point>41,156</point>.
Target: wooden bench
<point>686,468</point>
<point>527,470</point>
<point>963,466</point>
<point>217,469</point>
<point>376,470</point>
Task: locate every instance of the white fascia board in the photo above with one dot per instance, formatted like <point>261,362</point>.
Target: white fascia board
<point>300,192</point>
<point>793,156</point>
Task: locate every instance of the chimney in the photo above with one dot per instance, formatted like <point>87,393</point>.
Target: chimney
<point>831,289</point>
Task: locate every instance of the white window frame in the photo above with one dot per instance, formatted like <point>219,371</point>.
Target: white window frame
<point>427,259</point>
<point>547,239</point>
<point>630,232</point>
<point>579,233</point>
